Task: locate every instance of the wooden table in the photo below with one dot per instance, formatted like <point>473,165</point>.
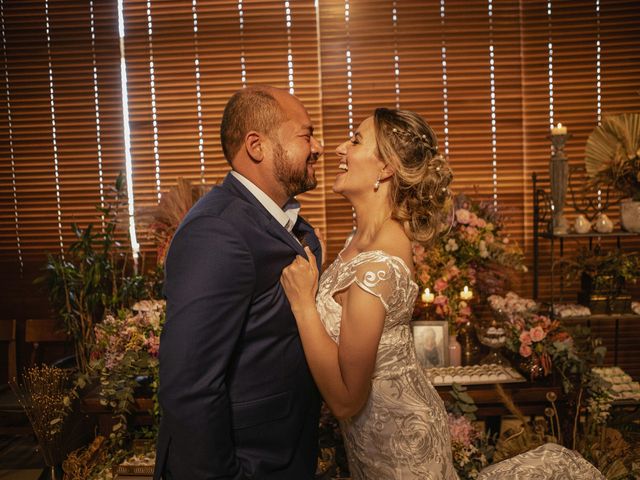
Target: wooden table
<point>140,412</point>
<point>530,398</point>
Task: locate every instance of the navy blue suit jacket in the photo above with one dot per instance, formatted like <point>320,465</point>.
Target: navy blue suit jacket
<point>237,398</point>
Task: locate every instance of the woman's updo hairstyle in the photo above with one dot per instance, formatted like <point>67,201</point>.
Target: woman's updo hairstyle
<point>420,195</point>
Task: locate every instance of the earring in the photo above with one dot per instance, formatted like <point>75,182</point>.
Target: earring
<point>376,185</point>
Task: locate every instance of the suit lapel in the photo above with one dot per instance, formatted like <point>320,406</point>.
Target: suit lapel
<point>271,224</point>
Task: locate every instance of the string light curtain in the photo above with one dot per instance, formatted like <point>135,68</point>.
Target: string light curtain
<point>60,122</point>
<point>185,59</point>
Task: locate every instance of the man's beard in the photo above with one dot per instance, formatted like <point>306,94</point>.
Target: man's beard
<point>293,181</point>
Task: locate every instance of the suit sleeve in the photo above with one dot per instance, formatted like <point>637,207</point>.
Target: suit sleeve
<point>209,283</point>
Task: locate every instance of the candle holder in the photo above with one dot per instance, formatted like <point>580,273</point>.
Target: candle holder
<point>559,181</point>
<point>469,342</point>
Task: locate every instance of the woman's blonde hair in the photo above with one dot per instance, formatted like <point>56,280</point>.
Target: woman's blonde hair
<point>420,195</point>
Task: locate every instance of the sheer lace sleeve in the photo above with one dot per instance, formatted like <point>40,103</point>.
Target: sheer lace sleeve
<point>376,273</point>
<point>378,278</point>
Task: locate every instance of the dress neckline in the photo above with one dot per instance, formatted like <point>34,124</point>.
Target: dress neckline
<point>396,257</point>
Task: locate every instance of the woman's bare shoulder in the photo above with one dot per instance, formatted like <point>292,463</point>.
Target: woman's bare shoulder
<point>392,240</point>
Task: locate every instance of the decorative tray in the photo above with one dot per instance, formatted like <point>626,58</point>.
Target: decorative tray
<point>473,375</point>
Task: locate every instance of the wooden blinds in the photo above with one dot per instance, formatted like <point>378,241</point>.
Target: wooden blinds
<point>490,76</point>
<point>60,121</point>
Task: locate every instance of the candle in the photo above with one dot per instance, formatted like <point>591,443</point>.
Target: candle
<point>466,294</point>
<point>427,296</point>
<point>559,130</point>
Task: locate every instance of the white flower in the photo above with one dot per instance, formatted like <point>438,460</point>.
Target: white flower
<point>484,253</point>
<point>451,245</point>
<point>463,216</point>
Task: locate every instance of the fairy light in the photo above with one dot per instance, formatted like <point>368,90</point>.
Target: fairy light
<point>287,12</point>
<point>52,104</point>
<point>494,140</point>
<point>550,68</point>
<point>194,10</point>
<point>243,67</point>
<point>347,14</point>
<point>96,105</point>
<point>396,56</point>
<point>445,98</point>
<point>135,246</point>
<point>349,72</point>
<point>598,83</point>
<point>16,217</point>
<point>154,111</point>
<point>598,51</point>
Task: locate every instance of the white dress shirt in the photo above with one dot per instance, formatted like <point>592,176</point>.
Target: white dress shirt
<point>286,217</point>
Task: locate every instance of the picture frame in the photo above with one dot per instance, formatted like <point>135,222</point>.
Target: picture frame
<point>431,340</point>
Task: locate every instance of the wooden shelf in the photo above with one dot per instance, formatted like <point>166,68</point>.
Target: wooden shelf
<point>618,233</point>
<point>603,317</point>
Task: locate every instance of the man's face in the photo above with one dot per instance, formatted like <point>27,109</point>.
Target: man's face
<point>295,150</point>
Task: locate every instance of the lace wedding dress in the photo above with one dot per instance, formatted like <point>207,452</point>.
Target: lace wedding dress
<point>402,431</point>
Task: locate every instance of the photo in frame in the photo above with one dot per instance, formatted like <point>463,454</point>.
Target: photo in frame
<point>431,339</point>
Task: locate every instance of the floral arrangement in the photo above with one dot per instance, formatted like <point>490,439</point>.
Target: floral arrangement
<point>469,445</point>
<point>533,336</point>
<point>477,254</point>
<point>125,355</point>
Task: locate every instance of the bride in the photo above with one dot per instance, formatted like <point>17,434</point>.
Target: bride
<point>354,321</point>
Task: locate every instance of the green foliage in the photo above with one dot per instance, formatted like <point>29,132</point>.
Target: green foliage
<point>608,270</point>
<point>463,404</point>
<point>93,276</point>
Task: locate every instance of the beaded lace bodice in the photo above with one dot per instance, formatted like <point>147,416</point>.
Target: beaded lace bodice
<point>388,278</point>
<point>399,433</point>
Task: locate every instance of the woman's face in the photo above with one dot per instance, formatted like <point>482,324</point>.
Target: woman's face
<point>359,163</point>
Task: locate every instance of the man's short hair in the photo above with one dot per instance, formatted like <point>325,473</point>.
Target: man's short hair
<point>252,108</point>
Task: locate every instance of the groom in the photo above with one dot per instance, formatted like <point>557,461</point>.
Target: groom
<point>237,397</point>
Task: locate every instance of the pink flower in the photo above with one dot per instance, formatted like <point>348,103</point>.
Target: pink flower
<point>472,233</point>
<point>461,429</point>
<point>440,285</point>
<point>463,216</point>
<point>153,344</point>
<point>465,311</point>
<point>453,272</point>
<point>473,219</point>
<point>481,223</point>
<point>537,334</point>
<point>424,277</point>
<point>418,253</point>
<point>525,350</point>
<point>441,300</point>
<point>525,338</point>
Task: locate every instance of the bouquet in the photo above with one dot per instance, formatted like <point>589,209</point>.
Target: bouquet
<point>125,356</point>
<point>477,254</point>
